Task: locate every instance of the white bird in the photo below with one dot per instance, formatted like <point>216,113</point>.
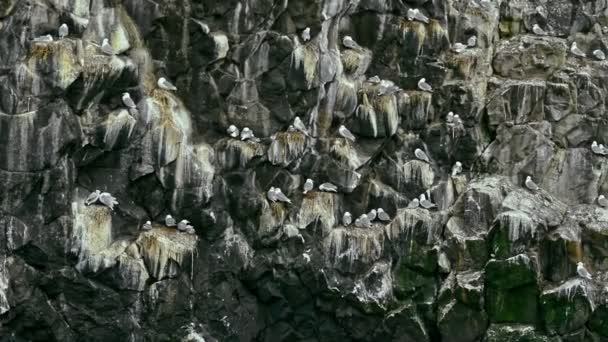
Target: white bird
<point>358,223</point>
<point>306,257</point>
<point>281,196</point>
<point>63,31</point>
<point>422,85</point>
<point>576,51</point>
<point>421,155</point>
<point>457,168</point>
<point>415,203</point>
<point>128,101</point>
<point>182,226</point>
<point>247,133</point>
<point>306,34</point>
<point>233,131</point>
<point>582,271</point>
<point>169,221</point>
<point>383,215</point>
<point>45,38</point>
<point>457,120</point>
<point>344,132</point>
<point>372,215</point>
<point>164,84</point>
<point>541,11</point>
<point>374,79</point>
<point>426,204</point>
<point>347,219</point>
<point>459,47</point>
<point>92,198</point>
<point>599,54</point>
<point>595,148</point>
<point>147,226</point>
<point>364,221</point>
<point>348,42</point>
<point>472,41</point>
<point>190,230</point>
<point>538,31</point>
<point>450,117</point>
<point>328,187</point>
<point>271,195</point>
<point>530,184</point>
<point>415,14</point>
<point>602,201</point>
<point>299,125</point>
<point>108,200</point>
<point>106,47</point>
<point>308,185</point>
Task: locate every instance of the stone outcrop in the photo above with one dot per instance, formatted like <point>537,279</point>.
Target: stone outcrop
<point>490,261</point>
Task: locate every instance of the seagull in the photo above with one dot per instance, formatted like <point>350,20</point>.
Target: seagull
<point>597,149</point>
<point>582,271</point>
<point>576,51</point>
<point>382,215</point>
<point>281,196</point>
<point>415,203</point>
<point>459,47</point>
<point>344,132</point>
<point>541,11</point>
<point>183,225</point>
<point>63,31</point>
<point>426,204</point>
<point>372,215</point>
<point>599,54</point>
<point>422,85</point>
<point>306,257</point>
<point>246,134</point>
<point>308,185</point>
<point>457,120</point>
<point>233,131</point>
<point>472,41</point>
<point>271,195</point>
<point>106,47</point>
<point>46,38</point>
<point>299,125</point>
<point>190,230</point>
<point>365,221</point>
<point>538,31</point>
<point>421,155</point>
<point>457,168</point>
<point>328,187</point>
<point>348,42</point>
<point>450,118</point>
<point>169,221</point>
<point>347,219</point>
<point>147,226</point>
<point>306,34</point>
<point>128,101</point>
<point>92,198</point>
<point>374,79</point>
<point>530,184</point>
<point>602,201</point>
<point>164,84</point>
<point>414,14</point>
<point>108,200</point>
<point>358,223</point>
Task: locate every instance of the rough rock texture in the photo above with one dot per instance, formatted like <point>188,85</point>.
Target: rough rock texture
<point>492,262</point>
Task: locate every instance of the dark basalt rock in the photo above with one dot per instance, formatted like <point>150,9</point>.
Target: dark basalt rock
<point>491,261</point>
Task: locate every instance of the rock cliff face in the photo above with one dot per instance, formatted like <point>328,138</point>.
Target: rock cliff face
<point>493,261</point>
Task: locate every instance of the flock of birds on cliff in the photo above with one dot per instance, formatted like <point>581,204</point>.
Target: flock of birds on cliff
<point>385,87</point>
<point>106,198</point>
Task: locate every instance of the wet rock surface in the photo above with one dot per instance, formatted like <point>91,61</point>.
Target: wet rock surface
<point>490,260</point>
